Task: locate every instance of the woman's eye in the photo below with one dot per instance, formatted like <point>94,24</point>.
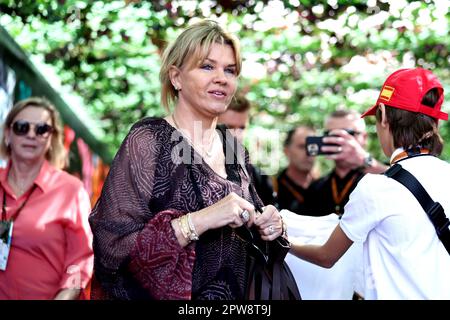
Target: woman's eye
<point>207,67</point>
<point>230,70</point>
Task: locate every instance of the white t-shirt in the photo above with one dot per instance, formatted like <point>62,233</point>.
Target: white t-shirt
<point>403,257</point>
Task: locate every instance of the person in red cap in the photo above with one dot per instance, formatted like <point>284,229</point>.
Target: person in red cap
<point>404,258</point>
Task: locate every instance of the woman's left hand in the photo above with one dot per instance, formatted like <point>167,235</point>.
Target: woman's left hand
<point>269,223</point>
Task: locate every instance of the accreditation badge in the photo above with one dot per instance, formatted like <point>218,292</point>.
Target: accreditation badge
<point>6,228</point>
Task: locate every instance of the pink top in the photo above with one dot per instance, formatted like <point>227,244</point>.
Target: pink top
<point>52,241</point>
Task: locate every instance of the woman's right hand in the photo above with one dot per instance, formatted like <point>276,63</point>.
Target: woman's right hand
<point>227,211</point>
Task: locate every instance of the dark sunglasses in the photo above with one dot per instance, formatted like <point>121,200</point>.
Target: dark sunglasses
<point>349,131</point>
<point>22,127</point>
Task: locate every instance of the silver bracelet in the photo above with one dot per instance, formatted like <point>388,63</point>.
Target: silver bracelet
<point>193,235</point>
<point>283,228</point>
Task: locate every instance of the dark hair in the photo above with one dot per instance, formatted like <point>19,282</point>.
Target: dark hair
<point>239,103</point>
<point>291,133</point>
<point>412,129</point>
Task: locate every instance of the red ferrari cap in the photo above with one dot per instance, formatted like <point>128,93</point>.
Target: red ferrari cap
<point>405,89</point>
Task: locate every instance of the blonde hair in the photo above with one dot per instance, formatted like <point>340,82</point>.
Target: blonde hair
<point>56,154</point>
<point>194,42</point>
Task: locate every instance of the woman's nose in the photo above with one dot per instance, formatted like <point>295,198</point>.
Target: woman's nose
<point>220,76</point>
<point>32,131</point>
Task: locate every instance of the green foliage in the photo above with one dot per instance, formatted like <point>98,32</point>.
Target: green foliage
<point>302,59</point>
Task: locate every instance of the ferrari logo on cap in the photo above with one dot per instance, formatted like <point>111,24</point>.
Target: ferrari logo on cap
<point>386,93</point>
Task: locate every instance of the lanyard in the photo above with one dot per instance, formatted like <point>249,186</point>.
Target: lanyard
<point>410,153</point>
<point>297,195</point>
<point>339,196</point>
<point>20,208</point>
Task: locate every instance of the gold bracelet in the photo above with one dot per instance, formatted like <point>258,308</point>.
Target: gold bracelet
<point>183,233</point>
<point>185,226</point>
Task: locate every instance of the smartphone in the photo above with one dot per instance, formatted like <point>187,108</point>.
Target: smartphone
<point>314,146</point>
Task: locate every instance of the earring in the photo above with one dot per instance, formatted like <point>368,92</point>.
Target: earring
<point>7,143</point>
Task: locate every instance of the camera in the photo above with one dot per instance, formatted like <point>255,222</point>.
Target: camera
<point>314,146</point>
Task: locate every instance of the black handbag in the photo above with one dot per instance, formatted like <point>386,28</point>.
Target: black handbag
<point>268,276</point>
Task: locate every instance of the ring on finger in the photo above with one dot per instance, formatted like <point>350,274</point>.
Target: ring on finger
<point>245,215</point>
<point>271,229</point>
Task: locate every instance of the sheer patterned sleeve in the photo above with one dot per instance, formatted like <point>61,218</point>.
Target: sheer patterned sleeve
<point>123,211</point>
<point>159,263</point>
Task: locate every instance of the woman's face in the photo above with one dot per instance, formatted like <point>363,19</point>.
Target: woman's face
<point>31,144</point>
<point>209,87</point>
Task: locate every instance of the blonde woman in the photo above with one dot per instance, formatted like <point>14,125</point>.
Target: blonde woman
<point>164,226</point>
<point>48,253</point>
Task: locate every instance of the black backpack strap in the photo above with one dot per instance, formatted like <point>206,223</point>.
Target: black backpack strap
<point>433,209</point>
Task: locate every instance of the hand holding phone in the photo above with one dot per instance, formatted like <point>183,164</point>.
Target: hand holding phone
<point>314,146</point>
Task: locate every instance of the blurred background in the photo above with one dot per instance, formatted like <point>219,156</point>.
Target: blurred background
<point>301,60</point>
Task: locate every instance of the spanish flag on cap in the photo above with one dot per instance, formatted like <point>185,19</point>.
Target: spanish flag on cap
<point>386,93</point>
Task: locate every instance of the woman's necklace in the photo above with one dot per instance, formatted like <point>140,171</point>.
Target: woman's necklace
<point>208,152</point>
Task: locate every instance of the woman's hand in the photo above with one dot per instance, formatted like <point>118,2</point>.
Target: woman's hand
<point>228,211</point>
<point>269,223</point>
<point>232,210</point>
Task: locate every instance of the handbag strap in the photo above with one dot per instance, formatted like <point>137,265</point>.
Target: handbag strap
<point>433,209</point>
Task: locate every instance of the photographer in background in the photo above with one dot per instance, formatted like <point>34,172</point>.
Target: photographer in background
<point>291,186</point>
<point>347,131</point>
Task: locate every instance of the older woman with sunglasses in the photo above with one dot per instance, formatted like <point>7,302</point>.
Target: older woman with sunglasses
<point>46,248</point>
